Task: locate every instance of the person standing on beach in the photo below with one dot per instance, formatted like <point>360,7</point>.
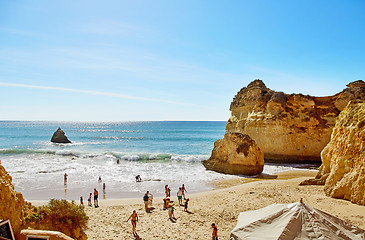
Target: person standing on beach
<point>81,201</point>
<point>134,220</point>
<point>89,200</point>
<point>104,188</point>
<point>215,232</point>
<point>99,180</point>
<point>179,196</point>
<point>186,205</point>
<point>183,189</point>
<point>96,203</point>
<point>167,190</point>
<point>145,200</point>
<point>65,179</point>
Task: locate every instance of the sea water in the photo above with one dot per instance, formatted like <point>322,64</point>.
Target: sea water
<point>162,153</point>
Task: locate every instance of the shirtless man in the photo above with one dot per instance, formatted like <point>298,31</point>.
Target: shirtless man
<point>96,203</point>
<point>134,220</point>
<point>183,189</point>
<point>179,196</point>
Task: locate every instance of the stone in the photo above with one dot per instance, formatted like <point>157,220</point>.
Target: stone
<point>343,159</point>
<point>288,127</point>
<point>12,204</point>
<point>60,137</point>
<point>236,153</point>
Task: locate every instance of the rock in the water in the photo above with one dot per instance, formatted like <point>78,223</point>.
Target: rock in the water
<point>343,159</point>
<point>288,127</point>
<point>60,137</point>
<point>236,153</point>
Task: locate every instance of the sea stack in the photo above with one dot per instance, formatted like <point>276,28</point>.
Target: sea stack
<point>237,154</point>
<point>288,127</point>
<point>343,159</point>
<point>60,137</point>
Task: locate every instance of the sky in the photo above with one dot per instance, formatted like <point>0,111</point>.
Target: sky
<point>170,60</point>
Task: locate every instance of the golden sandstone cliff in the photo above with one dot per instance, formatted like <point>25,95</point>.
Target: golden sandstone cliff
<point>343,159</point>
<point>12,204</point>
<point>58,215</point>
<point>236,153</point>
<point>286,127</point>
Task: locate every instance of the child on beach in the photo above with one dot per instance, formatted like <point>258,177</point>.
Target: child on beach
<point>96,203</point>
<point>179,196</point>
<point>186,205</point>
<point>215,232</point>
<point>81,201</point>
<point>89,200</point>
<point>134,220</point>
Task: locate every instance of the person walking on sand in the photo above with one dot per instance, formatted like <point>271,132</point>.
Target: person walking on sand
<point>65,179</point>
<point>183,189</point>
<point>134,220</point>
<point>172,212</point>
<point>215,232</point>
<point>96,203</point>
<point>81,201</point>
<point>186,205</point>
<point>89,200</point>
<point>179,196</point>
<point>104,188</point>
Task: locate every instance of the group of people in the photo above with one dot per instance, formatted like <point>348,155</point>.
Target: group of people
<point>167,205</point>
<point>148,198</point>
<point>96,193</point>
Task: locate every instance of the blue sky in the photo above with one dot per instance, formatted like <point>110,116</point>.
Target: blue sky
<point>170,60</point>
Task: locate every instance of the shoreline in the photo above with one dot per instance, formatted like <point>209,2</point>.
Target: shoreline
<point>221,206</point>
<point>216,185</point>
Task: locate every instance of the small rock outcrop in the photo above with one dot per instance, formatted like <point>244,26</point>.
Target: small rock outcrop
<point>236,153</point>
<point>60,137</point>
<point>12,204</point>
<point>343,159</point>
<point>288,127</point>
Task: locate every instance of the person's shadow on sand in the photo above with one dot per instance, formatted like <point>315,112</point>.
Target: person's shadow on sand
<point>137,237</point>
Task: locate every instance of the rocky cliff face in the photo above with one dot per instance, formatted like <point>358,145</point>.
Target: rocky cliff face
<point>288,127</point>
<point>12,204</point>
<point>343,159</point>
<point>236,153</point>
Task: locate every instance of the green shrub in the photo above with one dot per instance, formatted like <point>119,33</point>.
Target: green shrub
<point>60,215</point>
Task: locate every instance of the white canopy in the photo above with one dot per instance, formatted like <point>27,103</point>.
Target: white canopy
<point>292,221</point>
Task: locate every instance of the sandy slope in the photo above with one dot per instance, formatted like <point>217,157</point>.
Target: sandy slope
<point>221,206</point>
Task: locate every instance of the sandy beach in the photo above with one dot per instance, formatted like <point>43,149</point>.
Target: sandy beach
<point>220,206</point>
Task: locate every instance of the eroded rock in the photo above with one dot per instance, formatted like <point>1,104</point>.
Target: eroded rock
<point>236,153</point>
<point>288,127</point>
<point>343,159</point>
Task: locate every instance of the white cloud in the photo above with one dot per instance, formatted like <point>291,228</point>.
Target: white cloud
<point>92,92</point>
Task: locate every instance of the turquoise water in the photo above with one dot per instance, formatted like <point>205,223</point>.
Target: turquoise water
<point>161,152</point>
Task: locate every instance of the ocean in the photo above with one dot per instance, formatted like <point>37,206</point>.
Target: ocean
<point>162,153</point>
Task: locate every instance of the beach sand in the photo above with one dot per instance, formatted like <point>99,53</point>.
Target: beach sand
<point>220,206</point>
